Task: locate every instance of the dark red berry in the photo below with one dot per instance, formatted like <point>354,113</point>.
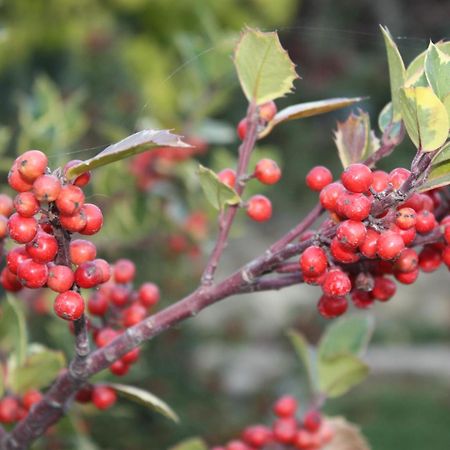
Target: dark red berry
<point>312,420</point>
<point>330,307</point>
<point>384,288</point>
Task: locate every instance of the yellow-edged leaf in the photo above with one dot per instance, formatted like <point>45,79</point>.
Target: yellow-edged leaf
<point>440,170</point>
<point>437,70</point>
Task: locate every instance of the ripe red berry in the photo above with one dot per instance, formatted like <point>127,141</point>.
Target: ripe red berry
<point>6,205</point>
<point>361,299</point>
<point>9,281</point>
<point>267,171</point>
<point>105,269</point>
<point>74,223</point>
<point>425,222</point>
<point>398,176</point>
<point>284,430</point>
<point>119,368</point>
<point>242,129</point>
<point>32,164</point>
<point>17,181</point>
<point>407,261</point>
<point>46,188</point>
<point>105,336</point>
<point>148,294</point>
<point>119,295</point>
<point>124,271</point>
<point>429,259</point>
<point>389,245</point>
<point>259,208</point>
<point>98,304</point>
<point>43,248</point>
<point>84,395</point>
<point>22,229</point>
<point>236,445</point>
<point>15,257</point>
<point>318,177</point>
<point>407,235</point>
<point>9,407</point>
<point>383,289</point>
<point>228,177</point>
<point>69,305</point>
<point>257,435</point>
<point>330,307</point>
<point>132,356</point>
<point>405,218</point>
<point>267,111</point>
<point>357,178</point>
<point>60,278</point>
<point>103,397</point>
<point>329,195</point>
<point>94,219</point>
<point>351,233</point>
<point>336,284</point>
<point>81,250</point>
<point>380,180</point>
<point>304,440</point>
<point>343,253</point>
<point>31,397</point>
<point>31,274</point>
<point>285,406</point>
<point>133,315</point>
<point>407,277</point>
<point>312,420</point>
<point>70,200</point>
<point>26,204</point>
<point>353,206</point>
<point>88,275</point>
<point>369,247</point>
<point>313,261</point>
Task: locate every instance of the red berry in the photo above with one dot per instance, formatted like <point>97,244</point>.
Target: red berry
<point>257,435</point>
<point>331,306</point>
<point>285,406</point>
<point>383,289</point>
<point>242,129</point>
<point>15,257</point>
<point>312,420</point>
<point>46,188</point>
<point>351,233</point>
<point>357,178</point>
<point>31,397</point>
<point>31,274</point>
<point>26,204</point>
<point>80,180</point>
<point>9,281</point>
<point>120,295</point>
<point>313,261</point>
<point>407,235</point>
<point>74,223</point>
<point>124,271</point>
<point>9,407</point>
<point>236,445</point>
<point>343,253</point>
<point>329,195</point>
<point>353,206</point>
<point>267,111</point>
<point>105,336</point>
<point>318,177</point>
<point>398,176</point>
<point>303,440</point>
<point>369,247</point>
<point>361,299</point>
<point>133,315</point>
<point>81,251</point>
<point>407,261</point>
<point>119,368</point>
<point>132,356</point>
<point>98,304</point>
<point>228,177</point>
<point>94,219</point>
<point>103,397</point>
<point>148,294</point>
<point>88,275</point>
<point>43,248</point>
<point>105,269</point>
<point>429,259</point>
<point>267,171</point>
<point>69,305</point>
<point>259,208</point>
<point>425,222</point>
<point>60,278</point>
<point>84,395</point>
<point>336,284</point>
<point>446,256</point>
<point>407,277</point>
<point>389,245</point>
<point>284,430</point>
<point>32,164</point>
<point>415,202</point>
<point>405,218</point>
<point>70,200</point>
<point>380,180</point>
<point>17,181</point>
<point>22,229</point>
<point>6,205</point>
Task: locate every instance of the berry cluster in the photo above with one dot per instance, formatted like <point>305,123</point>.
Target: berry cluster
<point>366,248</point>
<point>287,431</point>
<point>101,396</point>
<point>14,408</point>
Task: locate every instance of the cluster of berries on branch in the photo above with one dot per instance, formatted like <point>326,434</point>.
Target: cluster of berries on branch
<point>310,432</point>
<point>14,408</point>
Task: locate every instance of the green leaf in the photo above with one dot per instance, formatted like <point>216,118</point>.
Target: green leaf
<point>394,130</point>
<point>396,71</point>
<point>305,354</point>
<point>13,330</point>
<point>40,368</point>
<point>191,444</point>
<point>354,139</point>
<point>145,398</point>
<point>348,335</point>
<point>440,170</point>
<point>425,117</point>
<point>217,193</point>
<point>308,109</point>
<point>437,70</point>
<point>132,145</point>
<point>2,380</point>
<point>339,374</point>
<point>264,68</point>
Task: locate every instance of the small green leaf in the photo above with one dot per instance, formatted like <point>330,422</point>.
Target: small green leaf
<point>339,374</point>
<point>305,354</point>
<point>145,398</point>
<point>191,444</point>
<point>354,139</point>
<point>437,69</point>
<point>217,193</point>
<point>2,380</point>
<point>393,130</point>
<point>308,109</point>
<point>440,170</point>
<point>348,335</point>
<point>396,71</point>
<point>425,117</point>
<point>264,68</point>
<point>132,145</point>
<point>41,366</point>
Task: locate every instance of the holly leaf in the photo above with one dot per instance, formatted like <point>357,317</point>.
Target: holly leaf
<point>264,68</point>
<point>40,368</point>
<point>354,139</point>
<point>305,354</point>
<point>145,398</point>
<point>346,436</point>
<point>394,130</point>
<point>337,375</point>
<point>425,117</point>
<point>308,109</point>
<point>132,145</point>
<point>217,193</point>
<point>437,70</point>
<point>191,444</point>
<point>440,170</point>
<point>396,71</point>
<point>348,335</point>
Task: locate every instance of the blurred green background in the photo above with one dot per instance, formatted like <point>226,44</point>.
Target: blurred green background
<point>76,75</point>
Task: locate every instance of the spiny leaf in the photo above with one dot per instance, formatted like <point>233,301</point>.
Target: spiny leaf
<point>396,71</point>
<point>425,117</point>
<point>437,69</point>
<point>132,145</point>
<point>40,367</point>
<point>217,193</point>
<point>191,444</point>
<point>440,170</point>
<point>347,436</point>
<point>145,398</point>
<point>347,335</point>
<point>354,139</point>
<point>264,68</point>
<point>308,109</point>
<point>339,374</point>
